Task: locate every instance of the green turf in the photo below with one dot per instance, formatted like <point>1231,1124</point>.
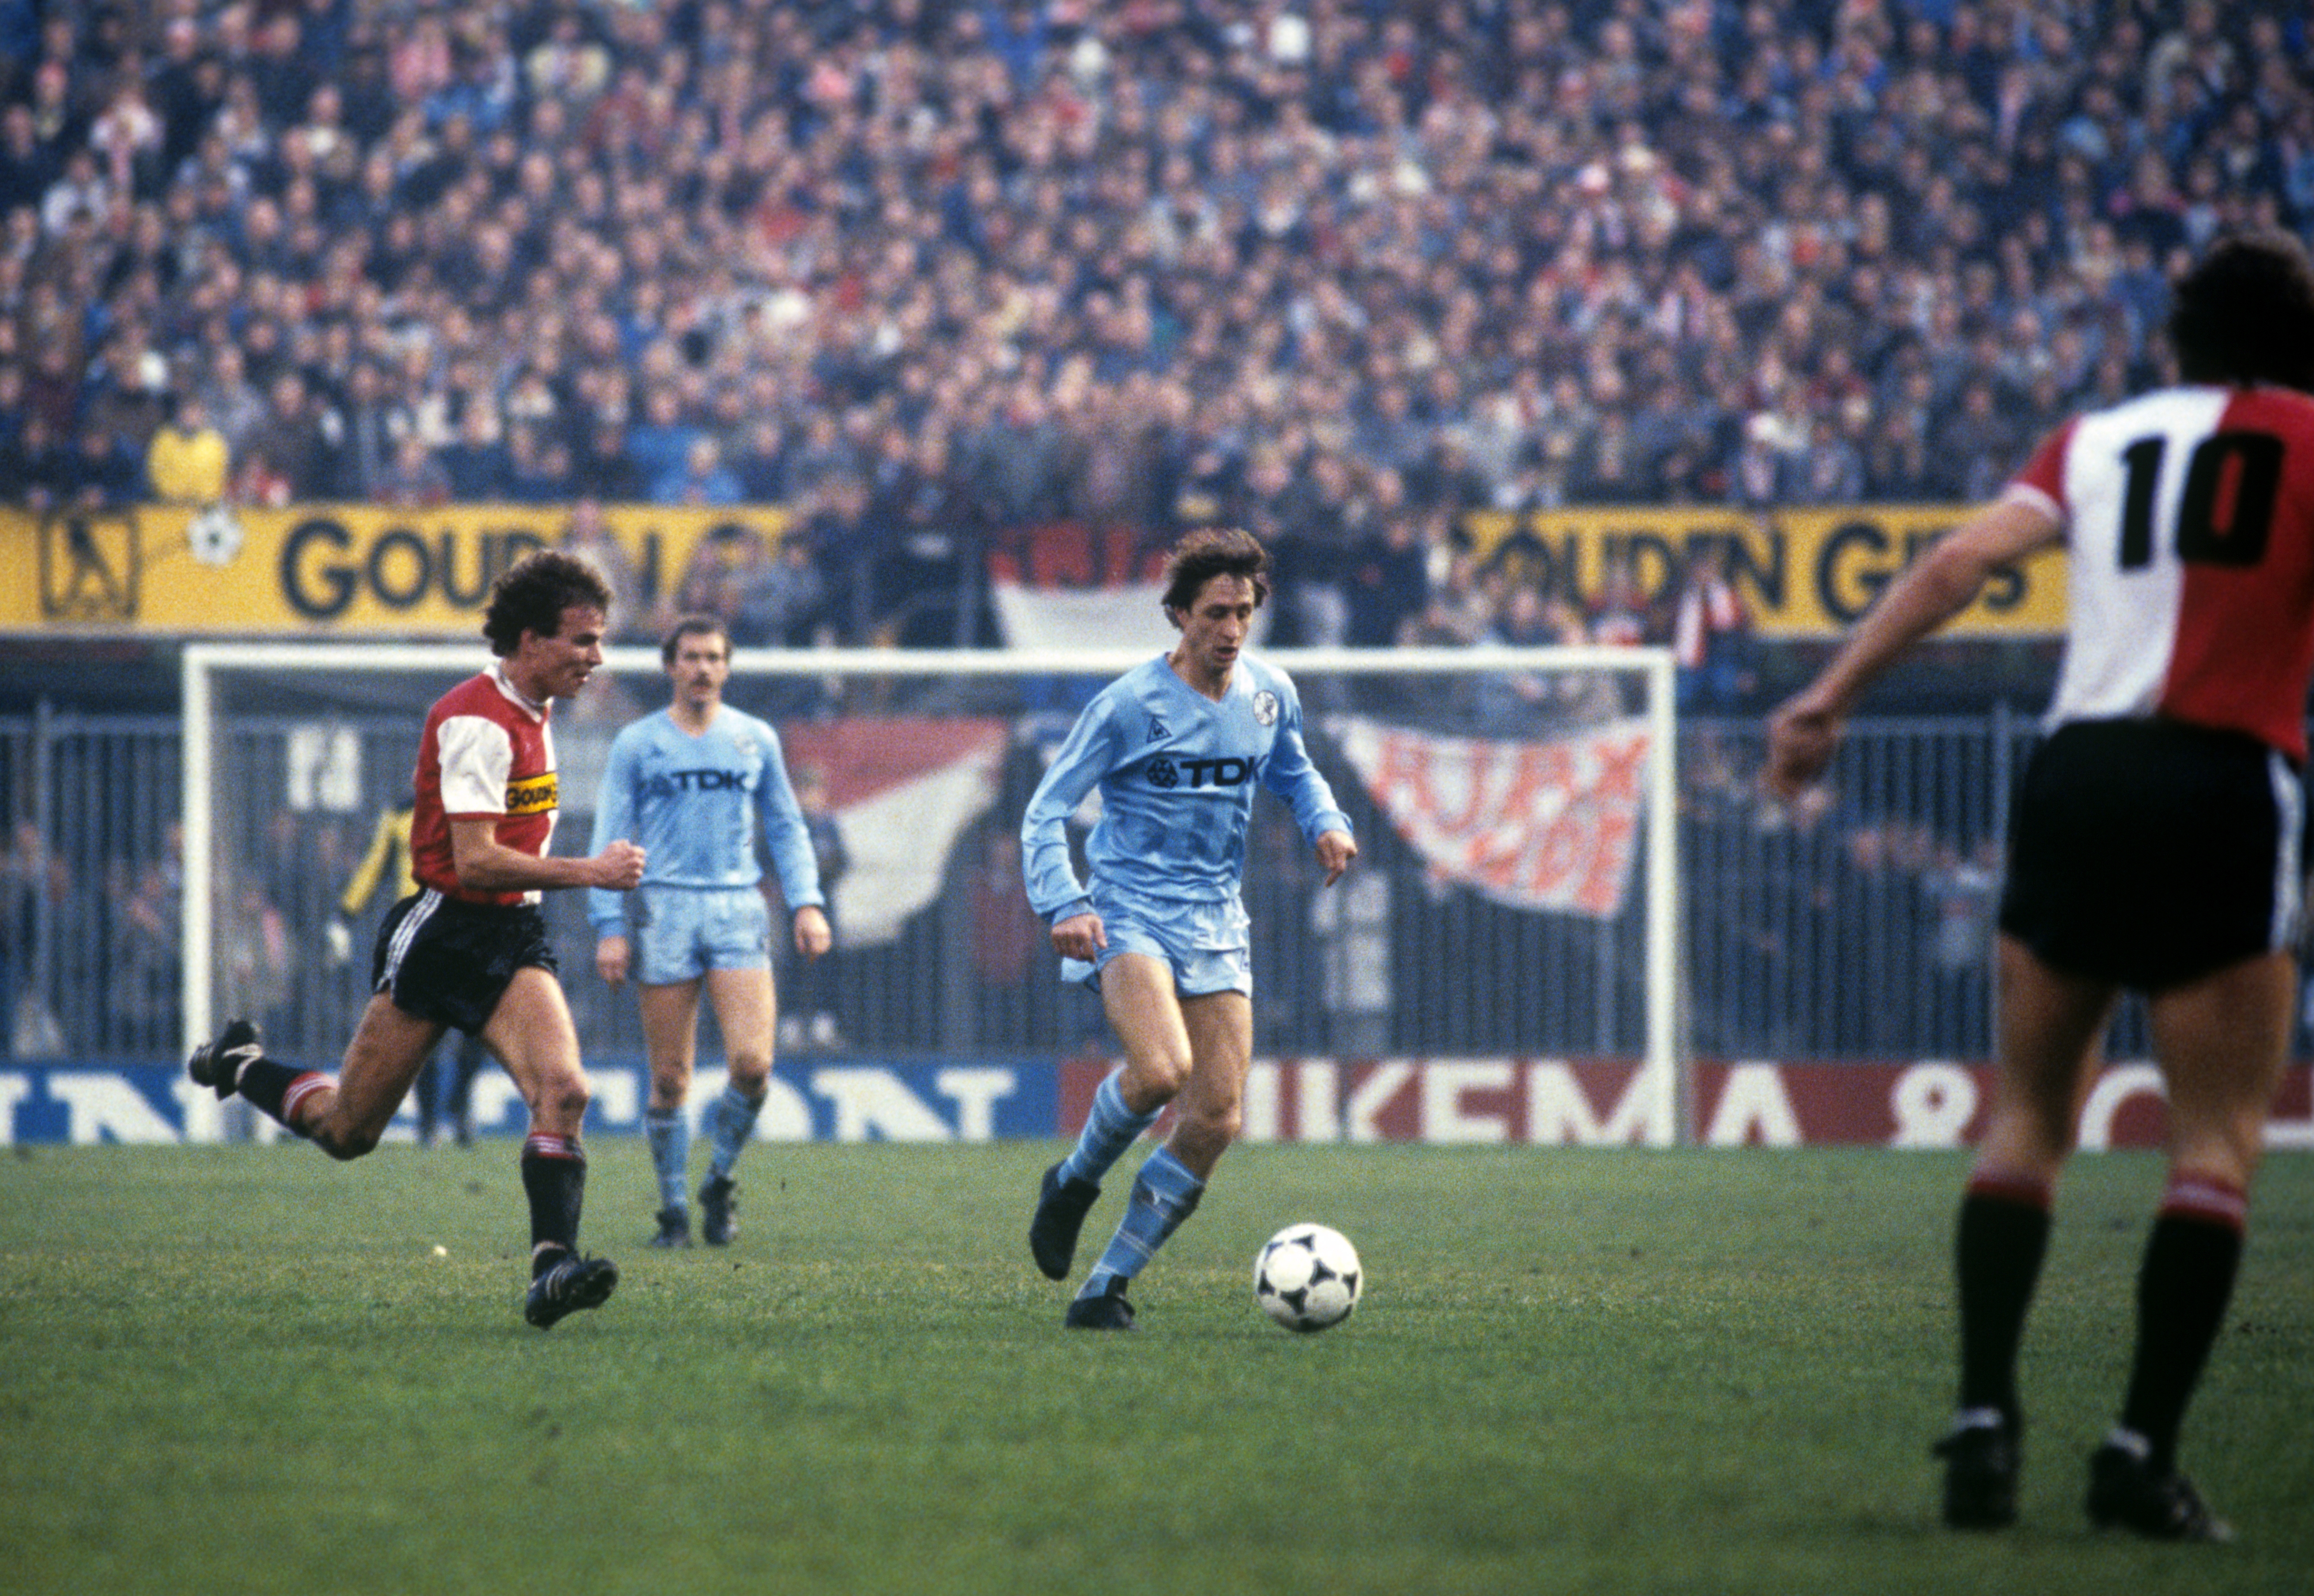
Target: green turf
<point>244,1369</point>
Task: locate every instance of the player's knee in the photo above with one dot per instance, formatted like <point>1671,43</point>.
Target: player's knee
<point>346,1142</point>
<point>1153,1082</point>
<point>1214,1122</point>
<point>561,1101</point>
<point>750,1068</point>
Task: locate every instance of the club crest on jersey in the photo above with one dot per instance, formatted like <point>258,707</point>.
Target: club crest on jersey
<point>533,795</point>
<point>1265,708</point>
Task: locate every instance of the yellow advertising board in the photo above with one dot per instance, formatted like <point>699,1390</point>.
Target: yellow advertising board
<point>358,571</point>
<point>1803,573</point>
<point>340,571</point>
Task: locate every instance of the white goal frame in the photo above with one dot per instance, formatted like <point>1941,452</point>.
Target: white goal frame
<point>1664,1052</point>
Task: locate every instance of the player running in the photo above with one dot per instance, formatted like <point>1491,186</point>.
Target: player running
<point>2154,845</point>
<point>689,783</point>
<point>468,949</point>
<point>1176,747</point>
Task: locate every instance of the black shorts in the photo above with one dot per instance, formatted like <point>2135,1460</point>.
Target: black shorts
<point>446,960</point>
<point>2150,852</point>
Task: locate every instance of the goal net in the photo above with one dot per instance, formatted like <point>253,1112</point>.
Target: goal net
<point>1515,903</point>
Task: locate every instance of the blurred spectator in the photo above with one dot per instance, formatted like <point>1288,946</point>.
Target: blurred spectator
<point>415,478</point>
<point>476,461</point>
<point>700,478</point>
<point>782,601</point>
<point>187,462</point>
<point>255,958</point>
<point>605,470</point>
<point>143,981</point>
<point>725,566</point>
<point>32,883</point>
<point>232,402</point>
<point>375,423</point>
<point>1391,581</point>
<point>103,473</point>
<point>588,535</point>
<point>40,464</point>
<point>1711,633</point>
<point>285,457</point>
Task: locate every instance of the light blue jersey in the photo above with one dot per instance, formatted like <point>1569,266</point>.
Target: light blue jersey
<point>1177,772</point>
<point>693,804</point>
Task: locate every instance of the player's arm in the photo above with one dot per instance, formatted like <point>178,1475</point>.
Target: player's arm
<point>1293,776</point>
<point>485,864</point>
<point>793,859</point>
<point>1803,733</point>
<point>614,819</point>
<point>1054,890</point>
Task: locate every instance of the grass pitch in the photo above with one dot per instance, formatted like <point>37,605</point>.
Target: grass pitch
<point>246,1369</point>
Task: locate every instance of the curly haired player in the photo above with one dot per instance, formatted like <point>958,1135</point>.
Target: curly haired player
<point>468,949</point>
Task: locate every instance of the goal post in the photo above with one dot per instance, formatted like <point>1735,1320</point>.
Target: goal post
<point>332,726</point>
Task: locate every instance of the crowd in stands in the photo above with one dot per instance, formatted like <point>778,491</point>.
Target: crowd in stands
<point>931,274</point>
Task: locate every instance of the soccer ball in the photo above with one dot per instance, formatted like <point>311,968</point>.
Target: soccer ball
<point>1308,1278</point>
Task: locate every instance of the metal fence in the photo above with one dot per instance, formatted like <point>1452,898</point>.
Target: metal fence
<point>1858,925</point>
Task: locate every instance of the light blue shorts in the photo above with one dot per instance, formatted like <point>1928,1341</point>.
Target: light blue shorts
<point>681,932</point>
<point>1207,946</point>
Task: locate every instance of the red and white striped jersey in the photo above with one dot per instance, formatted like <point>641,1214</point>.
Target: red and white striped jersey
<point>486,751</point>
<point>2188,515</point>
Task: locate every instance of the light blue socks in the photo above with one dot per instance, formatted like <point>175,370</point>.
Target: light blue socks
<point>729,1122</point>
<point>668,1131</point>
<point>1164,1194</point>
<point>1109,1130</point>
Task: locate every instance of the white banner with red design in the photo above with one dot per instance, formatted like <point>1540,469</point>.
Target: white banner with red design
<point>1538,825</point>
<point>903,788</point>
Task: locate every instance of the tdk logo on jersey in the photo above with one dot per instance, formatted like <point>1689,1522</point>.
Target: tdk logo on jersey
<point>1200,773</point>
<point>700,780</point>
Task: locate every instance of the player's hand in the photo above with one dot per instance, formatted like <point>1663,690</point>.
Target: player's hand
<point>611,959</point>
<point>1801,737</point>
<point>813,935</point>
<point>1336,850</point>
<point>619,868</point>
<point>1081,937</point>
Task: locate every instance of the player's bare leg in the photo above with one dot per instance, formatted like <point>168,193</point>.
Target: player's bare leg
<point>746,1010</point>
<point>344,1117</point>
<point>2222,1041</point>
<point>531,1033</point>
<point>1161,1033</point>
<point>1212,1104</point>
<point>1136,994</point>
<point>670,1040</point>
<point>2050,1028</point>
<point>388,1048</point>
